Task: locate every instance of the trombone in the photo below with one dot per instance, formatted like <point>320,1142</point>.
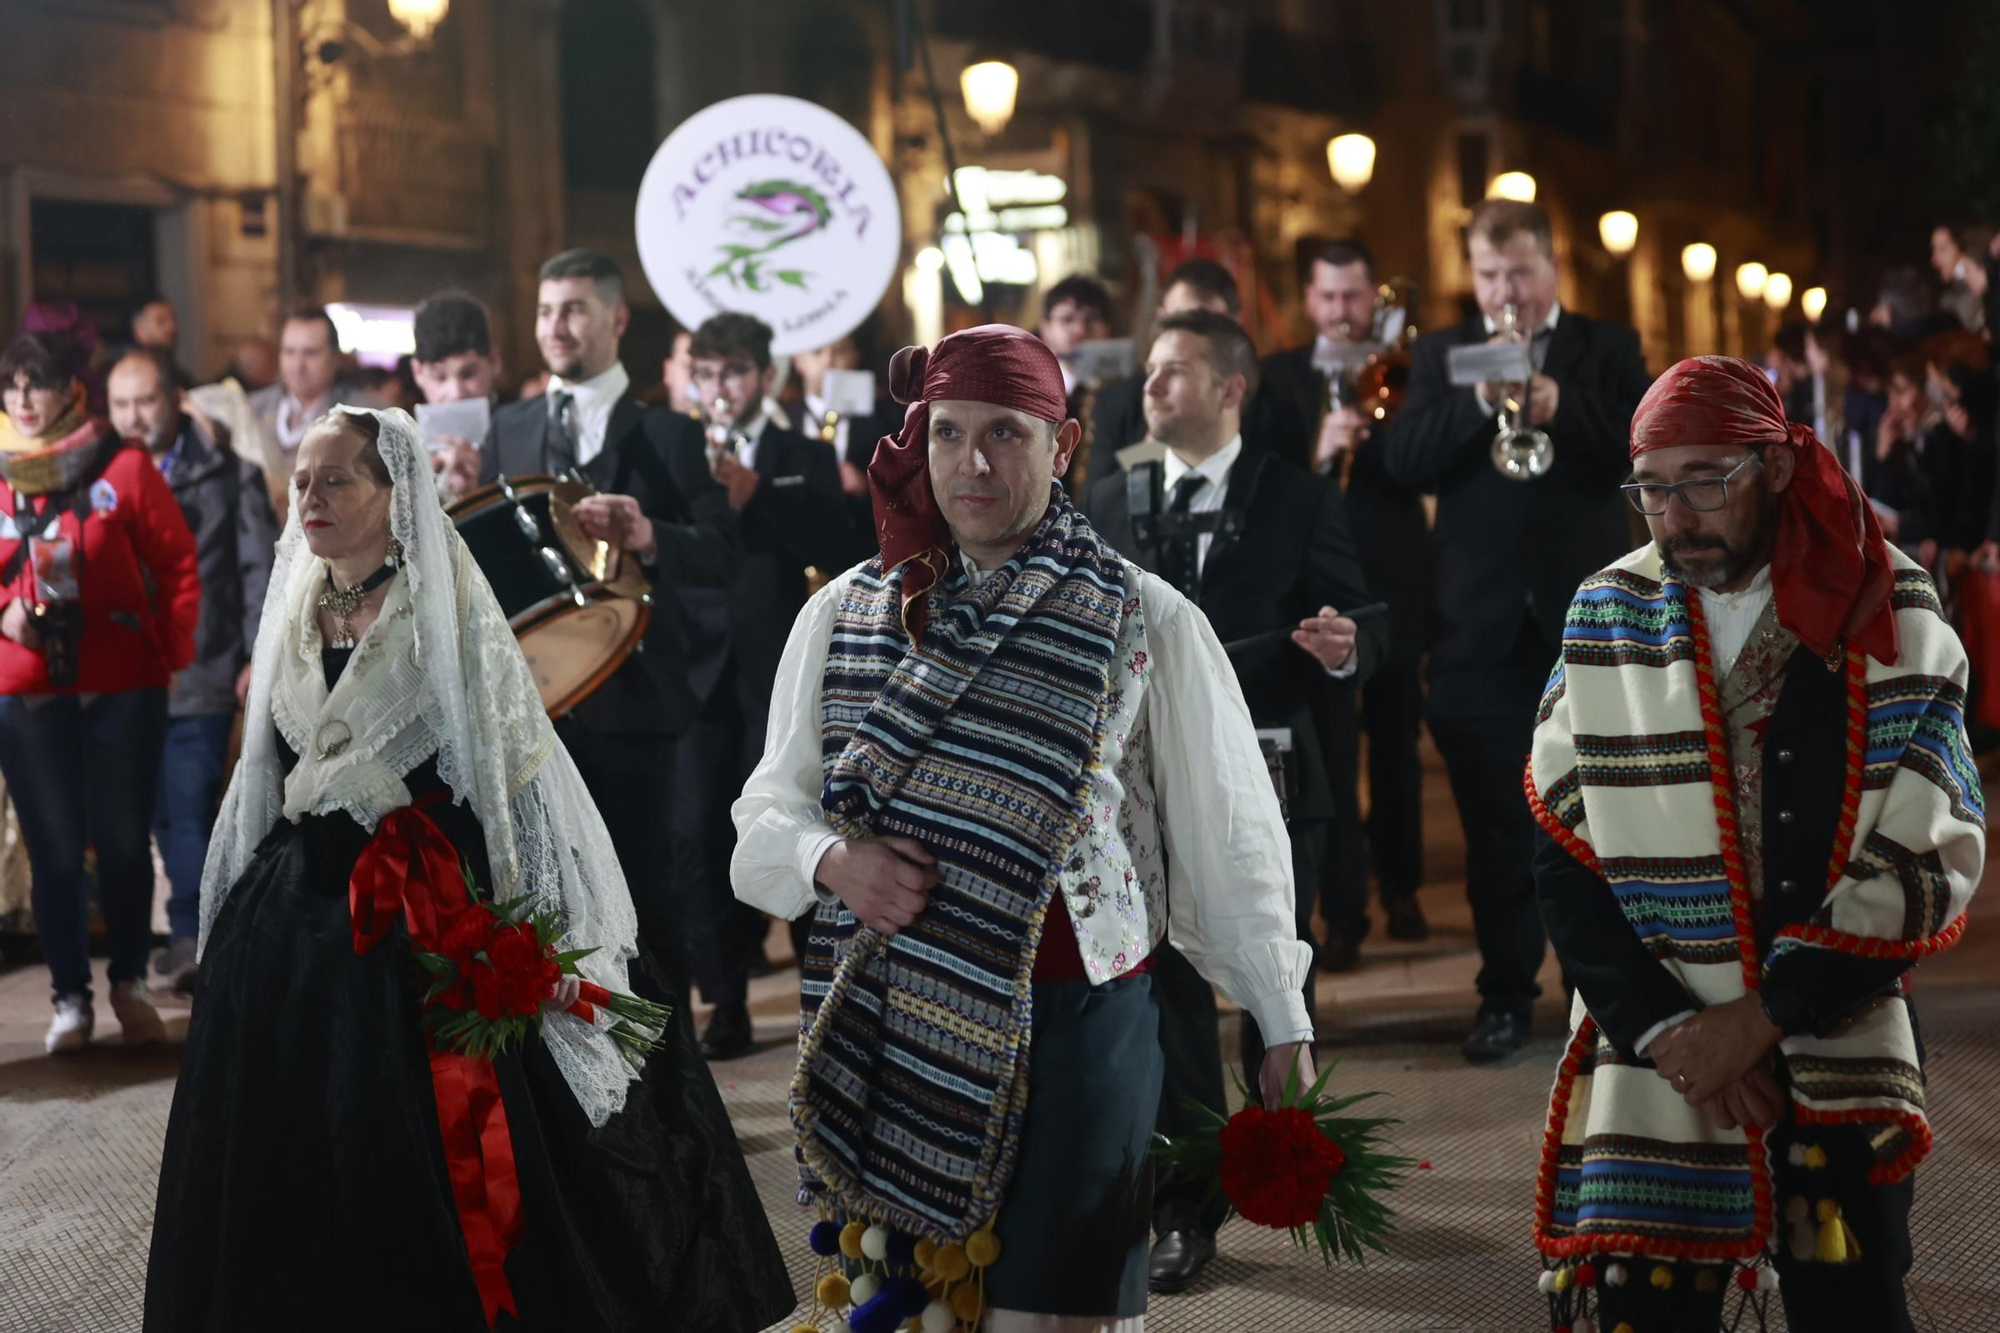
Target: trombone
<point>1521,452</point>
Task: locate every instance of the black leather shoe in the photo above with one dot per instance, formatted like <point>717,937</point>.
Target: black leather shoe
<point>1495,1037</point>
<point>1406,920</point>
<point>728,1034</point>
<point>1340,953</point>
<point>1178,1258</point>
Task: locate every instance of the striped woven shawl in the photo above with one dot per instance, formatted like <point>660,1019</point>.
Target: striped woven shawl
<point>976,742</point>
<point>1630,772</point>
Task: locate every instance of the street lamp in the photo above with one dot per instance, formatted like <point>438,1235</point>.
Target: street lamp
<point>1778,290</point>
<point>1351,158</point>
<point>1698,261</point>
<point>421,17</point>
<point>1515,185</point>
<point>1812,303</point>
<point>989,89</point>
<point>1750,280</point>
<point>1619,231</point>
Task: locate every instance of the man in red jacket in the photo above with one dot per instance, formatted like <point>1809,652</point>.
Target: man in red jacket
<point>99,593</point>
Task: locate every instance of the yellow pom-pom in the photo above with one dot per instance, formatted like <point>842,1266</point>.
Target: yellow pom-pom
<point>965,1303</point>
<point>850,1239</point>
<point>982,1248</point>
<point>926,1250</point>
<point>1623,1328</point>
<point>1561,1282</point>
<point>832,1291</point>
<point>951,1264</point>
<point>1815,1158</point>
<point>1663,1277</point>
<point>804,1328</point>
<point>1827,1211</point>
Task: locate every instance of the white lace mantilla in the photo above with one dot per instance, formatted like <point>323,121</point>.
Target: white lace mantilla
<point>439,674</point>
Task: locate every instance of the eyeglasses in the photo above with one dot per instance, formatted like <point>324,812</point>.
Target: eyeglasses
<point>1704,495</point>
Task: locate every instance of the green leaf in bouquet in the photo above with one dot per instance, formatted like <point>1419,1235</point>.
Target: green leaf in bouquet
<point>570,957</point>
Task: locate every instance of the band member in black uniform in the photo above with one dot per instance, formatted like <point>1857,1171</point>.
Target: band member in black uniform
<point>1263,547</point>
<point>658,502</point>
<point>1508,557</point>
<point>1119,410</point>
<point>1311,386</point>
<point>786,492</point>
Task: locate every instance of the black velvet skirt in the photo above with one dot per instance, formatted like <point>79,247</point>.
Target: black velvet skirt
<point>304,1184</point>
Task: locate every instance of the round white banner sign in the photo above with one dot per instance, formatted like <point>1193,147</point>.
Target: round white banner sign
<point>774,207</point>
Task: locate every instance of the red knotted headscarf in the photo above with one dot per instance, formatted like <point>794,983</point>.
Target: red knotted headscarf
<point>1830,572</point>
<point>994,363</point>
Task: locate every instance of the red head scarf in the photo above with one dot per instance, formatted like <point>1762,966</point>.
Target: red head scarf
<point>1830,572</point>
<point>994,363</point>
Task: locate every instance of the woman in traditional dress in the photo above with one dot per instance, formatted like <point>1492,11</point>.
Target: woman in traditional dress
<point>326,1167</point>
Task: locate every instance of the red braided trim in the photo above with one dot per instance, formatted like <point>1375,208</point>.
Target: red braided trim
<point>1872,946</point>
<point>1882,1173</point>
<point>1724,792</point>
<point>1555,828</point>
<point>1857,752</point>
<point>1552,1136</point>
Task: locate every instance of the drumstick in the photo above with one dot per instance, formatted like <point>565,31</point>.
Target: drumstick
<point>1274,636</point>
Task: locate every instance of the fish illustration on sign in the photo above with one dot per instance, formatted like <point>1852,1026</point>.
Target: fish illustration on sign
<point>780,212</point>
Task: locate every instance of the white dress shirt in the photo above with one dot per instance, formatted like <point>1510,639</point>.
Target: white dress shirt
<point>1185,837</point>
<point>1215,470</point>
<point>1730,616</point>
<point>592,401</point>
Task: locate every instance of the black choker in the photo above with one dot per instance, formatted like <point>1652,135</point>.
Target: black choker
<point>342,602</point>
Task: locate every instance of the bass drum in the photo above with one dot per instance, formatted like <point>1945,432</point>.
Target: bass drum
<point>578,608</point>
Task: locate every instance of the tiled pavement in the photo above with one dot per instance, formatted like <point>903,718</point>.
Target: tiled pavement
<point>80,1139</point>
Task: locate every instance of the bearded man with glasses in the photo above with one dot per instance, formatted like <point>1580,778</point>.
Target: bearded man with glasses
<point>1757,811</point>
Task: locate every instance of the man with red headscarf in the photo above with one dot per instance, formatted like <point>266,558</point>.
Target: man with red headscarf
<point>1758,810</point>
<point>1001,760</point>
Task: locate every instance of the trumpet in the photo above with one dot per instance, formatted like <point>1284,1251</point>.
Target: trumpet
<point>1520,451</point>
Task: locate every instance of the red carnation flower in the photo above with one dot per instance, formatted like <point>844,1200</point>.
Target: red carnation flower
<point>1276,1166</point>
<point>514,949</point>
<point>466,935</point>
<point>489,991</point>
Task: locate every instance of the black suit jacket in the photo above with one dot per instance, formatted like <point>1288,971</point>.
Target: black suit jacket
<point>658,458</point>
<point>1809,990</point>
<point>797,517</point>
<point>1295,555</point>
<point>1512,553</point>
<point>1390,530</point>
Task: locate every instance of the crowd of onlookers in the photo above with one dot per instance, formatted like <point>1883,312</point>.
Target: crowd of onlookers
<point>1907,395</point>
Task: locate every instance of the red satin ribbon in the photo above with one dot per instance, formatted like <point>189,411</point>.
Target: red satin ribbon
<point>411,865</point>
<point>589,996</point>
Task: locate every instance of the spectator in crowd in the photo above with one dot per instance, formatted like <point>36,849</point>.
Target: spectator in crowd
<point>223,500</point>
<point>1958,255</point>
<point>309,383</point>
<point>154,325</point>
<point>255,365</point>
<point>97,611</point>
<point>1905,307</point>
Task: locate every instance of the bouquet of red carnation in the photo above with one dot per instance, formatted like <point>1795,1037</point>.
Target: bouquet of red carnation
<point>1302,1165</point>
<point>497,963</point>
